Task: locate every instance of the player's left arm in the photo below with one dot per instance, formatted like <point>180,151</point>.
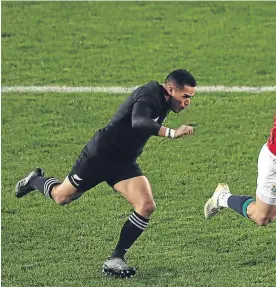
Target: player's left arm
<point>142,118</point>
<point>142,113</point>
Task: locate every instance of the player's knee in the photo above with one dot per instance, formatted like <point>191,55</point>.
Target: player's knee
<point>62,201</point>
<point>263,220</point>
<point>147,208</point>
<point>61,195</point>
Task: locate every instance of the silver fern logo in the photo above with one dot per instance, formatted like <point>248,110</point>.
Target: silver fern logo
<point>76,179</point>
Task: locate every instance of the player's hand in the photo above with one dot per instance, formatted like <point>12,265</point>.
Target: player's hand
<point>183,131</point>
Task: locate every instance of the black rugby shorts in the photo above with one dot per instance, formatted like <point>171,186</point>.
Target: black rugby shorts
<point>92,169</point>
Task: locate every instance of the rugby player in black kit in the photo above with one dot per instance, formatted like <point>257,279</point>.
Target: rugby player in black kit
<point>111,155</point>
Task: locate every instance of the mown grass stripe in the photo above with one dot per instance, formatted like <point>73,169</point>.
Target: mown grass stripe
<point>120,90</point>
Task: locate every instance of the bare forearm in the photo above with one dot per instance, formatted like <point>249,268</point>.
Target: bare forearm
<point>166,132</point>
<point>162,131</point>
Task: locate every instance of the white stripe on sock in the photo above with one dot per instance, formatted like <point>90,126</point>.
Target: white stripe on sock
<point>141,225</point>
<point>136,224</point>
<point>139,220</point>
<point>48,184</point>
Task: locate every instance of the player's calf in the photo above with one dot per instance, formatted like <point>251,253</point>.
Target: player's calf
<point>65,193</point>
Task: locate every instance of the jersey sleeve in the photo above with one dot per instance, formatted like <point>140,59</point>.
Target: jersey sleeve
<point>271,143</point>
<point>145,106</point>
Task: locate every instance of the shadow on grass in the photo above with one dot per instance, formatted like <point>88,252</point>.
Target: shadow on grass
<point>157,272</point>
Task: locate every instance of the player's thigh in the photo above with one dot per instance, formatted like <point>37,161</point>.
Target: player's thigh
<point>86,173</point>
<point>127,178</point>
<point>266,183</point>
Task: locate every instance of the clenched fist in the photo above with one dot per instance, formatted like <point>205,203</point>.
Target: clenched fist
<point>183,131</point>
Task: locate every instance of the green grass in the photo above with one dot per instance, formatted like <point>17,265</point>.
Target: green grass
<point>48,245</point>
<point>128,43</point>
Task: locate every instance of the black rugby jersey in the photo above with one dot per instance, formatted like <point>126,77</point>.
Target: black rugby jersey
<point>138,118</point>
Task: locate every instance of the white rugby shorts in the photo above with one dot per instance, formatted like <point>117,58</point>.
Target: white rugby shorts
<point>266,182</point>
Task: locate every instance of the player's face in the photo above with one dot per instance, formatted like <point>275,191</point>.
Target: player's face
<point>181,97</point>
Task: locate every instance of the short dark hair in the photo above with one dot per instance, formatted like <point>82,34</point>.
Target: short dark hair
<point>181,78</point>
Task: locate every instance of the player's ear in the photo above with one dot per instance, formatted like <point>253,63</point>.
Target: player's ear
<point>170,90</point>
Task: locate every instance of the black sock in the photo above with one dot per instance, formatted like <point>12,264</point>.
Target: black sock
<point>239,203</point>
<point>44,185</point>
<point>131,230</point>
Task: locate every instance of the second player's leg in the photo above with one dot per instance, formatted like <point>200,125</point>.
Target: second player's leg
<point>261,212</point>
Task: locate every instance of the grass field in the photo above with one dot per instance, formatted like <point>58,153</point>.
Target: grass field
<point>80,43</point>
<point>129,43</point>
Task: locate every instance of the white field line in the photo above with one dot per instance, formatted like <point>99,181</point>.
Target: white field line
<point>122,90</point>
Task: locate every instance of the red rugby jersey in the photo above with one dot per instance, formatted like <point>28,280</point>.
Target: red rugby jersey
<point>271,143</point>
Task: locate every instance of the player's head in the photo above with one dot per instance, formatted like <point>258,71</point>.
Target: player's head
<point>180,86</point>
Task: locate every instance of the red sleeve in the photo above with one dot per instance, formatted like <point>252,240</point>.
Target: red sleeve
<point>271,143</point>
